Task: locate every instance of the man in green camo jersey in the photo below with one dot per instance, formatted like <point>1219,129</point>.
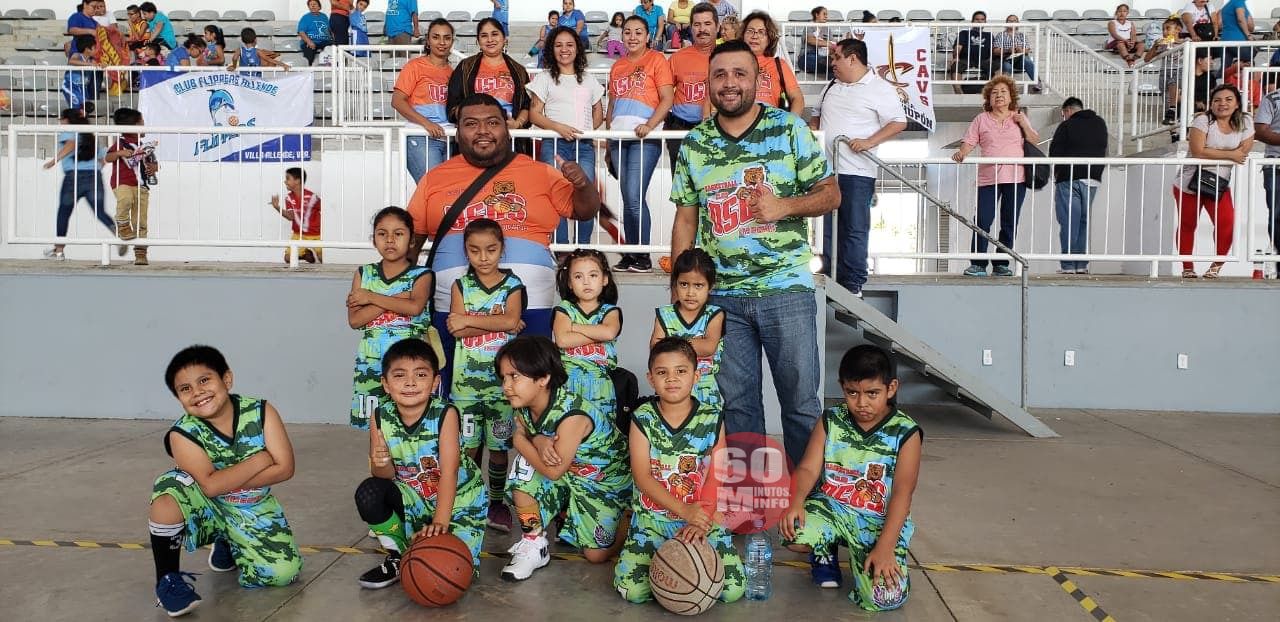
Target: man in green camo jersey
<point>746,181</point>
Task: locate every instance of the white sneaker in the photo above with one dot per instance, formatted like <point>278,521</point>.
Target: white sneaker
<point>54,255</point>
<point>527,555</point>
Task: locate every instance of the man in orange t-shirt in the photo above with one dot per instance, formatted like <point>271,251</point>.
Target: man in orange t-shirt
<point>527,199</point>
<point>689,70</point>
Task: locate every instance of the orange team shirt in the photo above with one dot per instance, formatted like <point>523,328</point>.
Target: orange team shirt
<point>689,68</point>
<point>496,80</point>
<point>633,86</point>
<point>427,87</point>
<point>769,89</point>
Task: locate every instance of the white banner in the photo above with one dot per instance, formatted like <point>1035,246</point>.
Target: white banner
<point>910,71</point>
<point>221,99</point>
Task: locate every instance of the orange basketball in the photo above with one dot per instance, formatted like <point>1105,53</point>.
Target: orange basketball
<point>686,578</point>
<point>436,571</point>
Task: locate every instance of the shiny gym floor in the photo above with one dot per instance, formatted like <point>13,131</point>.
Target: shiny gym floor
<point>1136,516</point>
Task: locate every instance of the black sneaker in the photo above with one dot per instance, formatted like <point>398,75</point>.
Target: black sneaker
<point>624,265</point>
<point>384,574</point>
<point>641,264</point>
<point>1169,113</point>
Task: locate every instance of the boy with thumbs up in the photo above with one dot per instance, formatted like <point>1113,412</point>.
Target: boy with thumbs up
<point>420,482</point>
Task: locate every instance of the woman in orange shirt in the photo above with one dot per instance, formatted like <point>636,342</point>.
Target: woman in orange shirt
<point>760,33</point>
<point>641,91</point>
<point>491,71</point>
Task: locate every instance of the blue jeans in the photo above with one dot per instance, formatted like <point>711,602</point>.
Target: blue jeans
<point>635,161</point>
<point>85,185</point>
<point>856,192</point>
<point>584,153</point>
<point>812,63</point>
<point>1021,63</point>
<point>785,326</point>
<point>1071,202</point>
<point>1010,196</point>
<point>1271,184</point>
<point>422,153</point>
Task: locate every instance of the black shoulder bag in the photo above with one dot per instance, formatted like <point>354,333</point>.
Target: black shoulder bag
<point>783,102</point>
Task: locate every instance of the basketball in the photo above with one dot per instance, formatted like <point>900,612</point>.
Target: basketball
<point>436,571</point>
<point>686,578</point>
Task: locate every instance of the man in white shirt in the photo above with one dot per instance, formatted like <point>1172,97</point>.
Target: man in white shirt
<point>1266,128</point>
<point>856,112</point>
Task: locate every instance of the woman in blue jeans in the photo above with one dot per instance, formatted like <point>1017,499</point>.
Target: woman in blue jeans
<point>79,155</point>
<point>641,92</point>
<point>567,100</point>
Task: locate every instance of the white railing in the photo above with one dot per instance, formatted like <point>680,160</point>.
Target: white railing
<point>1262,244</point>
<point>1153,94</point>
<point>943,36</point>
<point>1072,68</point>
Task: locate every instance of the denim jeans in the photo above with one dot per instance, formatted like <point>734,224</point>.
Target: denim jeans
<point>856,192</point>
<point>584,153</point>
<point>1271,184</point>
<point>1010,197</point>
<point>635,161</point>
<point>422,153</point>
<point>1071,201</point>
<point>1021,63</point>
<point>785,326</point>
<point>85,185</point>
<point>811,62</point>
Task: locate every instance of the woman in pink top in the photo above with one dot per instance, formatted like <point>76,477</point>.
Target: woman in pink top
<point>999,130</point>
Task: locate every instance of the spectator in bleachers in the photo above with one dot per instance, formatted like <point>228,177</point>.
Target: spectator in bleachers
<point>159,28</point>
<point>640,95</point>
<point>611,37</point>
<point>817,45</point>
<point>1198,22</point>
<point>137,28</point>
<point>575,19</point>
<point>500,14</point>
<point>79,155</point>
<point>679,14</point>
<point>1122,37</point>
<point>689,75</point>
<point>131,166</point>
<point>79,86</point>
<point>314,32</point>
<point>656,20</point>
<point>492,72</point>
<point>401,21</point>
<point>340,21</point>
<point>724,8</point>
<point>856,112</point>
<point>544,34</point>
<point>149,55</point>
<point>1236,24</point>
<point>972,51</point>
<point>359,25</point>
<point>1266,128</point>
<point>215,46</point>
<point>1014,51</point>
<point>567,100</point>
<point>1222,132</point>
<point>250,56</point>
<point>420,96</point>
<point>81,22</point>
<point>1170,69</point>
<point>777,84</point>
<point>1082,134</point>
<point>999,131</point>
<point>189,55</point>
<point>730,27</point>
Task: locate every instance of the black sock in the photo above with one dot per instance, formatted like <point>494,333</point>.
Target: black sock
<point>166,550</point>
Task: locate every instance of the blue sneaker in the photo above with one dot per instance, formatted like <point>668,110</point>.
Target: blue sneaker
<point>176,595</point>
<point>220,558</point>
<point>825,570</point>
<point>975,271</point>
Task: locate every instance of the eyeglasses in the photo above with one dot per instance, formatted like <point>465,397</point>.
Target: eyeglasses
<point>757,31</point>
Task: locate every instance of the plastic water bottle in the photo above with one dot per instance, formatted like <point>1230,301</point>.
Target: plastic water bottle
<point>759,563</point>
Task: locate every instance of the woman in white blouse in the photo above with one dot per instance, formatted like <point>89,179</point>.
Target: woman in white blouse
<point>1223,132</point>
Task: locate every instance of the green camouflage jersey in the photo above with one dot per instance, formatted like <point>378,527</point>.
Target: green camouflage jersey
<point>247,438</point>
<point>673,325</point>
<point>858,467</point>
<point>716,173</point>
<point>602,453</point>
<point>379,334</point>
<point>679,457</point>
<point>602,354</point>
<point>474,375</point>
<point>415,452</point>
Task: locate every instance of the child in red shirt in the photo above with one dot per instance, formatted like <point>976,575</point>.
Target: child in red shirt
<point>302,210</point>
<point>131,167</point>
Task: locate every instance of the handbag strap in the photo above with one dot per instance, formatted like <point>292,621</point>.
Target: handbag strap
<point>782,77</point>
<point>459,204</point>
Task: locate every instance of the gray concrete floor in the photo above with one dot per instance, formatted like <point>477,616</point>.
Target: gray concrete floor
<point>1119,490</point>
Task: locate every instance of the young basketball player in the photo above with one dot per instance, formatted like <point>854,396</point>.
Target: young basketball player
<point>586,324</point>
<point>867,454</point>
<point>420,480</point>
<point>673,439</point>
<point>228,450</point>
<point>571,457</point>
<point>484,314</point>
<point>692,317</point>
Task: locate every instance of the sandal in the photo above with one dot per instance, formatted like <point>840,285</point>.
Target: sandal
<point>1189,274</point>
<point>1212,272</point>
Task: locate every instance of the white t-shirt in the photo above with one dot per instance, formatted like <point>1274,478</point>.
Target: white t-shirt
<point>1200,16</point>
<point>1125,31</point>
<point>568,102</point>
<point>1215,138</point>
<point>857,110</point>
<point>1269,114</point>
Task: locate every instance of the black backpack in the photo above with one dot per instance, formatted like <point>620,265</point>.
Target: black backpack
<point>627,391</point>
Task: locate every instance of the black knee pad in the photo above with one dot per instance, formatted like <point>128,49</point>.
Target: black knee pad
<point>377,499</point>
